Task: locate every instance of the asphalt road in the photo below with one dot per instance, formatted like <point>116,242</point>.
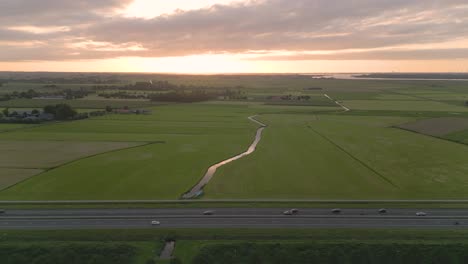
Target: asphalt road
<point>230,218</point>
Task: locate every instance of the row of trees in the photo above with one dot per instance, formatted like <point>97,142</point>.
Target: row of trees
<point>290,97</point>
<point>68,253</point>
<point>123,95</point>
<point>61,111</point>
<point>68,94</point>
<point>183,96</point>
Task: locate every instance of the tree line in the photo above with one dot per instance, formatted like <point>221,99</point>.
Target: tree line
<point>183,96</point>
<point>60,112</point>
<point>68,94</point>
<point>389,253</point>
<point>95,253</point>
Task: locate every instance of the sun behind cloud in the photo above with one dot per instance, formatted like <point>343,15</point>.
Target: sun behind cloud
<point>215,36</point>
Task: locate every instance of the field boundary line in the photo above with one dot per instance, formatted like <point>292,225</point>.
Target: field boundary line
<point>212,201</point>
<point>431,136</point>
<point>354,157</point>
<point>80,159</point>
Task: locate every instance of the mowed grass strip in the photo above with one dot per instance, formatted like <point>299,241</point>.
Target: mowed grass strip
<point>437,126</point>
<point>48,154</point>
<point>403,105</point>
<point>293,162</point>
<point>9,177</point>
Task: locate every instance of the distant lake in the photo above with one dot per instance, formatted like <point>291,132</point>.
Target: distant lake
<point>393,76</point>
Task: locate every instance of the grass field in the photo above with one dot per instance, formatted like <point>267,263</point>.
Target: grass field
<point>375,162</point>
<point>461,136</point>
<point>193,137</point>
<point>9,127</point>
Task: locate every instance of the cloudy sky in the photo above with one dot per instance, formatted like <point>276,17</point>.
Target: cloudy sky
<point>212,36</point>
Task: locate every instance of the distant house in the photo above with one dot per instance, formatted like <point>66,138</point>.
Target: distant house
<point>122,111</point>
<point>143,111</point>
<point>46,116</point>
<point>143,85</point>
<point>135,111</point>
<point>21,113</point>
<point>275,98</point>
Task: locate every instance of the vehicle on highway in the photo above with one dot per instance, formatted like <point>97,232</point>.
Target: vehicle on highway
<point>421,214</point>
<point>382,211</point>
<point>287,212</point>
<point>294,211</point>
<point>2,211</point>
<point>336,211</point>
<point>209,212</point>
<point>456,223</point>
<point>154,222</point>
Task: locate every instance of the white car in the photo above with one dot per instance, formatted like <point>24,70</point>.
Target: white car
<point>155,222</point>
<point>421,214</point>
<point>288,212</point>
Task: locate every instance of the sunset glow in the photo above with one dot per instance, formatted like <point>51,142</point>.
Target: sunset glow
<point>226,36</point>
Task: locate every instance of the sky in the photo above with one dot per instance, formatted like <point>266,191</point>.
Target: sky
<point>234,36</point>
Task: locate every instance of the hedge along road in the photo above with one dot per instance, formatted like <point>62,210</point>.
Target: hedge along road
<point>197,189</point>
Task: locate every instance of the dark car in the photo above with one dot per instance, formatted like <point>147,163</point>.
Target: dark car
<point>336,211</point>
<point>208,213</point>
<point>382,211</point>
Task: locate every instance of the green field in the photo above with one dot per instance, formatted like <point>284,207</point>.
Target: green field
<point>188,139</point>
<point>375,162</point>
<point>20,160</point>
<point>461,136</point>
<point>9,127</point>
<point>310,150</point>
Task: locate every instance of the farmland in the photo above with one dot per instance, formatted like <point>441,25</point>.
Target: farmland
<point>165,169</point>
<point>376,162</point>
<point>163,154</point>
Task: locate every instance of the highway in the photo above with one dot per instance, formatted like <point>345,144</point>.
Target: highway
<point>230,218</point>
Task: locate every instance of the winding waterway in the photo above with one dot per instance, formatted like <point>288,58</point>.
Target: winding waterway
<point>197,189</point>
